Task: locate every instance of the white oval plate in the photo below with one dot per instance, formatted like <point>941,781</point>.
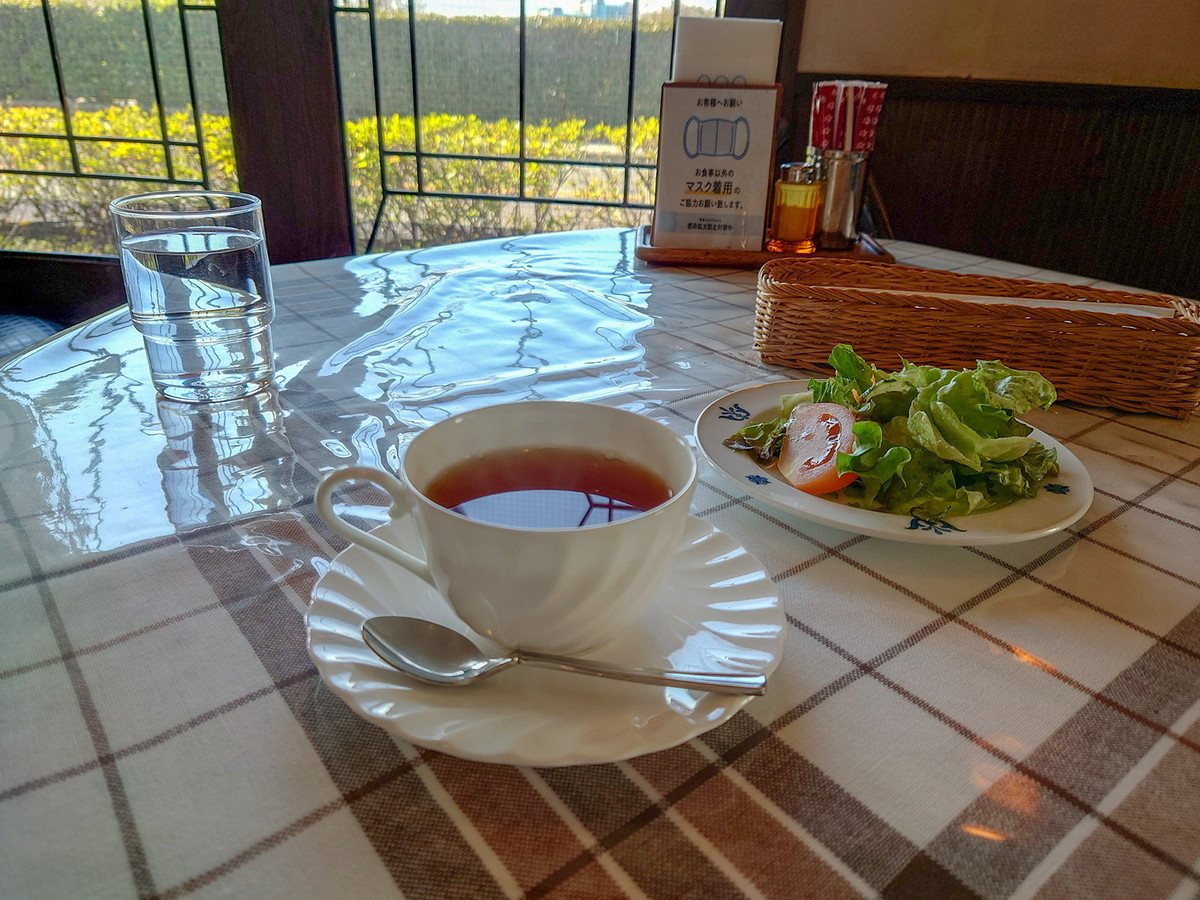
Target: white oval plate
<point>1059,504</point>
<point>718,611</point>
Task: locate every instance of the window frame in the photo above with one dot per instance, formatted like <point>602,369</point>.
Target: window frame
<point>273,49</point>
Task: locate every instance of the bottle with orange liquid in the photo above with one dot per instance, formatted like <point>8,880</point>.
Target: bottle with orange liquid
<point>799,193</point>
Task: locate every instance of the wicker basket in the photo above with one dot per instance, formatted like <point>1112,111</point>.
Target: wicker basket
<point>1121,360</point>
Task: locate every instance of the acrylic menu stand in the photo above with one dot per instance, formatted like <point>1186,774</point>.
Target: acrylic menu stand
<point>749,161</point>
<point>715,167</point>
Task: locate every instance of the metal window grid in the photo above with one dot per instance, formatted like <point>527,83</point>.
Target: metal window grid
<point>168,172</point>
<point>165,142</point>
<point>420,156</point>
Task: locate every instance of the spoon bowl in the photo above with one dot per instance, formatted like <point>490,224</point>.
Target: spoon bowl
<point>435,654</point>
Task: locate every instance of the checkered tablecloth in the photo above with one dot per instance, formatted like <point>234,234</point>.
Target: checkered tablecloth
<point>1021,720</point>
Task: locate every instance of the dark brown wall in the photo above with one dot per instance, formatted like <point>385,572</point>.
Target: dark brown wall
<point>1091,180</point>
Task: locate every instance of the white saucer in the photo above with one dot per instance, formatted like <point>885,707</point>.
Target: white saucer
<point>718,611</point>
<point>1058,505</point>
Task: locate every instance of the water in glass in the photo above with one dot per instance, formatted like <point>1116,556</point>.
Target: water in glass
<point>201,298</point>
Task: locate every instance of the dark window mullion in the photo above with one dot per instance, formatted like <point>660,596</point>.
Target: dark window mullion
<point>566,201</point>
<point>522,106</point>
<point>547,160</point>
<point>156,81</point>
<point>193,95</point>
<point>96,138</point>
<point>335,37</point>
<point>61,86</point>
<point>384,190</point>
<point>106,176</point>
<point>418,144</point>
<point>633,45</point>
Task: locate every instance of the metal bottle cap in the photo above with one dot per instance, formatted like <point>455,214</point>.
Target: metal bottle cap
<point>799,173</point>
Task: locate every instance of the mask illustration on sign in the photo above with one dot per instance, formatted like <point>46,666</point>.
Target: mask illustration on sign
<point>716,137</point>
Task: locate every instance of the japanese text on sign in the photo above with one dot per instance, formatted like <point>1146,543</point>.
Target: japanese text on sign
<point>716,150</point>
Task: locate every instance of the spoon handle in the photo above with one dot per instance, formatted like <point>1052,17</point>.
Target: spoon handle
<point>719,682</point>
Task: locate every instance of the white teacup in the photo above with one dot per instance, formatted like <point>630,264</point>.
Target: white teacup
<point>553,589</point>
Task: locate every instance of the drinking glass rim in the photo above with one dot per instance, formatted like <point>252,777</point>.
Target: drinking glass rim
<point>119,206</point>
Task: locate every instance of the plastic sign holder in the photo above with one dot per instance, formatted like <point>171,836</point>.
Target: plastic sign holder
<point>716,163</point>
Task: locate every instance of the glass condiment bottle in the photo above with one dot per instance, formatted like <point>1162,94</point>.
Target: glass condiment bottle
<point>797,205</point>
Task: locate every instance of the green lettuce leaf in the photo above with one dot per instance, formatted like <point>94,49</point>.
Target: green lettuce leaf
<point>763,439</point>
<point>928,441</point>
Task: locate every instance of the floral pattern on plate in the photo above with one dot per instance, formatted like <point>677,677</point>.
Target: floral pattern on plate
<point>1059,504</point>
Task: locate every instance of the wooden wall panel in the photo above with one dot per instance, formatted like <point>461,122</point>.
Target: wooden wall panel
<point>1097,181</point>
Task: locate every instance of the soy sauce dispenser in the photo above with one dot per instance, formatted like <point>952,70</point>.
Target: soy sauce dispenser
<point>798,197</point>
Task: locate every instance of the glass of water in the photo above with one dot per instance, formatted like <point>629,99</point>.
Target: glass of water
<point>199,290</point>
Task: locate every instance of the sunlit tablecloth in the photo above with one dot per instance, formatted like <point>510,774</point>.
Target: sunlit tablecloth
<point>946,722</point>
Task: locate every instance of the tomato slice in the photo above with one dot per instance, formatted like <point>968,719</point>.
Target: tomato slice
<point>808,456</point>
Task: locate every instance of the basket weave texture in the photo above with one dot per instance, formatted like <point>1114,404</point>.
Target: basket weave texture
<point>887,312</point>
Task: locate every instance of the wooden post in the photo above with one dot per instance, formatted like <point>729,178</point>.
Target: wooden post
<point>285,117</point>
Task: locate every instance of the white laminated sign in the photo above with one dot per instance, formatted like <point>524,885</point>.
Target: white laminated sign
<point>715,166</point>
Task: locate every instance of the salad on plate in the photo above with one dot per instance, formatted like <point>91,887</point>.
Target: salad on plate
<point>918,441</point>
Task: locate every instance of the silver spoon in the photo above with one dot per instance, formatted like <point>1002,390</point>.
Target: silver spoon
<point>436,654</point>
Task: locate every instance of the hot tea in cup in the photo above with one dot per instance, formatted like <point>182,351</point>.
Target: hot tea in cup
<point>547,525</point>
<point>548,487</point>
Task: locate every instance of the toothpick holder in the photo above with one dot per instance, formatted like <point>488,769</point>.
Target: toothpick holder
<point>845,173</point>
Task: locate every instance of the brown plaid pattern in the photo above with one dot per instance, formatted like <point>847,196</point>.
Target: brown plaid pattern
<point>1020,721</point>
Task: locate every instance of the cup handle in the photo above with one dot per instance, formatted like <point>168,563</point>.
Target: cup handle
<point>400,503</point>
